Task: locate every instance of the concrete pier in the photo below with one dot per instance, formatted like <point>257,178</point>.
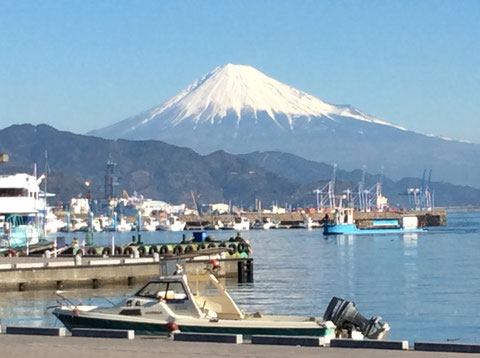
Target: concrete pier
<point>30,273</point>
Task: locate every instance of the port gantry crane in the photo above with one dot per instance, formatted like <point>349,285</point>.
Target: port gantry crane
<point>422,198</point>
<point>327,200</point>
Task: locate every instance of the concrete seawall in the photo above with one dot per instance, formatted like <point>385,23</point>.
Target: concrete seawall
<point>27,273</point>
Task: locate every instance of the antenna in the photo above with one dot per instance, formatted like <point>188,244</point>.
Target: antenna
<point>46,176</point>
<point>45,189</point>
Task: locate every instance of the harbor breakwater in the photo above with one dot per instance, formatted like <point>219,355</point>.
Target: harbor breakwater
<point>425,218</point>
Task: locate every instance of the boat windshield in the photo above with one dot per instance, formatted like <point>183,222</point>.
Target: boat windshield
<point>204,288</point>
<point>163,290</point>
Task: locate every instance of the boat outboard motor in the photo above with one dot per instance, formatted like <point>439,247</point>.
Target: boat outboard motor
<point>344,315</point>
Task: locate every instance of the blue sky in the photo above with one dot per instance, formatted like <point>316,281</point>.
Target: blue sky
<point>81,65</point>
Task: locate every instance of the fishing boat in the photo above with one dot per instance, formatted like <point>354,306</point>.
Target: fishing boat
<point>310,223</point>
<point>150,224</point>
<point>52,222</point>
<point>241,223</point>
<point>172,223</point>
<point>343,224</point>
<point>264,224</point>
<point>199,303</point>
<point>216,225</point>
<point>123,225</point>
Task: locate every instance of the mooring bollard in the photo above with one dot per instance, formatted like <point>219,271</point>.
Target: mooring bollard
<point>245,271</point>
<point>78,260</point>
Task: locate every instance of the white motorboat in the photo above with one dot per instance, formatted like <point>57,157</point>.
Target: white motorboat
<point>172,223</point>
<point>216,225</point>
<point>310,223</point>
<point>52,223</point>
<point>265,224</point>
<point>199,303</point>
<point>150,225</point>
<point>124,226</point>
<point>241,223</point>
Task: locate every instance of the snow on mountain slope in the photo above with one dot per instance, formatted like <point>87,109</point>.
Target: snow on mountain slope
<point>240,87</point>
<point>238,109</point>
<point>237,89</point>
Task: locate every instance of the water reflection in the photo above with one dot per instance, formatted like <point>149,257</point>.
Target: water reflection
<point>410,239</point>
<point>345,239</point>
<point>34,308</point>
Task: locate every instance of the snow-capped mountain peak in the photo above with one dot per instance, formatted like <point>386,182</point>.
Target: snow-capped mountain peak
<point>238,109</point>
<point>243,89</point>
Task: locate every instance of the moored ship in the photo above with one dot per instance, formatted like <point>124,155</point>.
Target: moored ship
<point>21,211</point>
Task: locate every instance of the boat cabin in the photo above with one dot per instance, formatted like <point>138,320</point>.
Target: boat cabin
<point>344,216</point>
<point>19,194</point>
<point>241,223</point>
<point>199,295</point>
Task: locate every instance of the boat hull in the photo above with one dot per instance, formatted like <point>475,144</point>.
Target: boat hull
<point>350,229</point>
<point>148,328</point>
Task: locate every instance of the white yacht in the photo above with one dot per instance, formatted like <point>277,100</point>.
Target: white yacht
<point>199,303</point>
<point>21,210</point>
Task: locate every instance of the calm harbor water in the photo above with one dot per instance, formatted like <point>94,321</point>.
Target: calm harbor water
<point>426,286</point>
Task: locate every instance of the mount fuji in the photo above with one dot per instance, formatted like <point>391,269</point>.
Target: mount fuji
<point>239,109</point>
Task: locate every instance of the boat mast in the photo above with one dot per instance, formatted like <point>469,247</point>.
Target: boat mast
<point>45,192</point>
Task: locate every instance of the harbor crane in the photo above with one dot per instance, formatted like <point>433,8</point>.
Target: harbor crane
<point>422,198</point>
<point>367,198</point>
<point>318,192</point>
<point>361,191</point>
<point>329,189</point>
